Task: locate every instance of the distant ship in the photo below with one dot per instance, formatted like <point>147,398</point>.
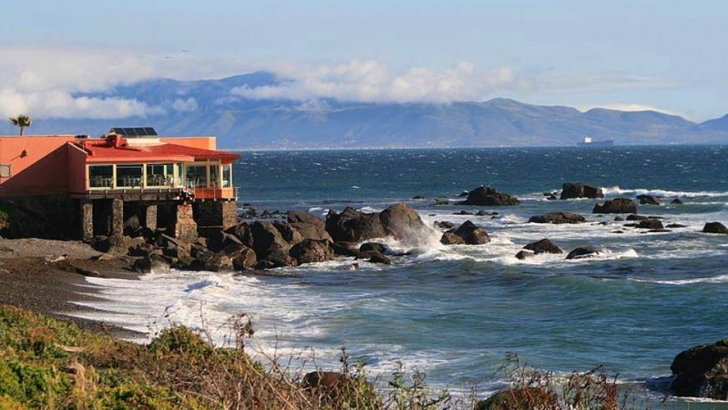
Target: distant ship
<point>589,141</point>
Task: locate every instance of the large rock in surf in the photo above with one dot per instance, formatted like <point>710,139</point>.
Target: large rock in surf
<point>354,226</point>
<point>702,371</point>
<point>616,206</point>
<point>649,199</point>
<point>558,218</point>
<point>469,234</point>
<point>264,238</point>
<point>715,227</point>
<point>543,246</point>
<point>583,252</point>
<point>572,190</point>
<point>398,221</point>
<point>487,196</point>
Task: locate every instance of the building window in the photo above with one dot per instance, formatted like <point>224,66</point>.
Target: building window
<point>160,175</point>
<point>5,171</point>
<point>227,176</point>
<point>100,176</point>
<point>196,176</point>
<point>128,176</point>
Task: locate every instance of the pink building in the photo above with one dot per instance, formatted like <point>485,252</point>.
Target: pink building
<point>183,185</point>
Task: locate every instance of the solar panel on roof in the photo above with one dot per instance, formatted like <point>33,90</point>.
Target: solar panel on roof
<point>134,132</point>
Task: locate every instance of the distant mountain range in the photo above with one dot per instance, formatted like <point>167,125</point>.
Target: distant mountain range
<point>211,107</point>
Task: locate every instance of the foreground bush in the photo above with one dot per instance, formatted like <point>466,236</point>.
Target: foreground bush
<point>50,364</point>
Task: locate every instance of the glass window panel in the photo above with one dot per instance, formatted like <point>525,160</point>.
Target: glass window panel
<point>100,176</point>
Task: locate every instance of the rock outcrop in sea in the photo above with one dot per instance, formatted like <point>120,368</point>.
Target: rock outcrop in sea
<point>702,371</point>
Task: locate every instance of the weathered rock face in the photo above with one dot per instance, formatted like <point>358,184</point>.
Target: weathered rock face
<point>616,206</point>
<point>303,217</point>
<point>557,218</point>
<point>583,252</point>
<point>652,224</point>
<point>487,196</point>
<point>398,221</point>
<point>543,246</point>
<point>264,238</point>
<point>468,232</point>
<point>702,371</point>
<point>403,223</point>
<point>245,259</point>
<point>715,227</point>
<point>649,199</point>
<point>354,226</point>
<point>311,250</point>
<point>449,238</point>
<point>572,190</point>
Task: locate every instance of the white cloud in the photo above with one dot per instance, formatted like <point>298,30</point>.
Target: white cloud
<point>45,82</point>
<point>188,105</point>
<point>370,81</point>
<point>629,108</point>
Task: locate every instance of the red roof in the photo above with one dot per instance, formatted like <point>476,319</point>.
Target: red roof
<point>118,150</point>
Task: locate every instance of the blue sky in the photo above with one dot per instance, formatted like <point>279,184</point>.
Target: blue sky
<point>665,55</point>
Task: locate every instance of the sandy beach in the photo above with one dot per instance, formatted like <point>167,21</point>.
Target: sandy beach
<point>47,276</point>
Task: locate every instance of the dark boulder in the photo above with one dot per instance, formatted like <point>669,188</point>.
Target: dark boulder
<point>616,206</point>
<point>634,217</point>
<point>303,217</point>
<point>354,226</point>
<point>449,238</point>
<point>311,230</point>
<point>487,196</point>
<point>311,250</point>
<point>649,199</point>
<point>571,190</point>
<point>543,246</point>
<point>471,234</point>
<point>219,262</point>
<point>264,238</point>
<point>557,218</point>
<point>676,201</point>
<point>715,227</point>
<point>652,224</point>
<point>702,371</point>
<point>373,246</point>
<point>444,224</point>
<point>583,252</point>
<point>523,254</point>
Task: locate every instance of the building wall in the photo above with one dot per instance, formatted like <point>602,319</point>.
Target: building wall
<point>39,165</point>
<point>194,142</point>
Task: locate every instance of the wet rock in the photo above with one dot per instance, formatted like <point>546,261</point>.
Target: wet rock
<point>487,196</point>
<point>470,233</point>
<point>616,206</point>
<point>449,238</point>
<point>403,223</point>
<point>702,371</point>
<point>676,201</point>
<point>523,254</point>
<point>245,259</point>
<point>649,199</point>
<point>557,218</point>
<point>715,227</point>
<point>354,226</point>
<point>311,250</point>
<point>583,252</point>
<point>543,246</point>
<point>653,224</point>
<point>573,190</point>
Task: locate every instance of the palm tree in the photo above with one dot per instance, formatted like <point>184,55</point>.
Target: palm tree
<point>23,121</point>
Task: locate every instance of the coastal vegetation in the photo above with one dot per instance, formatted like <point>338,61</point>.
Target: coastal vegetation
<point>52,364</point>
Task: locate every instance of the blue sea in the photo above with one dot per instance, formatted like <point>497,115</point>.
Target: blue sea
<point>455,312</point>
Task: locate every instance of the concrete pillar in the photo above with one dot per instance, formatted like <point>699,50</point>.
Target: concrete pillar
<point>151,218</point>
<point>229,210</point>
<point>87,221</point>
<point>117,217</point>
<point>185,227</point>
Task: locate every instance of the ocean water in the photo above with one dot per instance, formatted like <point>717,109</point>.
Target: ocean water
<point>455,312</point>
